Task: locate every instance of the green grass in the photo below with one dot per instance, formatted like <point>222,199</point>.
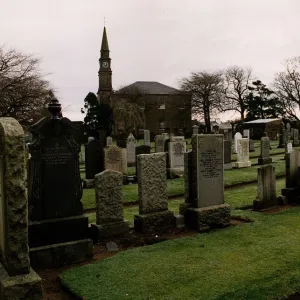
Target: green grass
<point>258,260</point>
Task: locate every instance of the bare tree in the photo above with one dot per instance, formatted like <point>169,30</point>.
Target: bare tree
<point>236,89</point>
<point>207,89</point>
<point>287,86</point>
<point>23,91</point>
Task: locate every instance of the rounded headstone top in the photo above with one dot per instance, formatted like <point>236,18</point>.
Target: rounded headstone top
<point>54,108</point>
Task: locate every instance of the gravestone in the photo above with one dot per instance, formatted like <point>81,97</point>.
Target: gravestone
<point>195,129</point>
<point>147,138</point>
<point>246,133</point>
<point>251,146</point>
<point>17,279</point>
<point>226,135</point>
<point>154,215</point>
<point>282,136</point>
<point>206,190</point>
<point>57,224</point>
<point>237,137</point>
<point>288,127</point>
<point>159,143</point>
<point>227,155</point>
<point>109,206</point>
<point>143,149</point>
<point>266,188</point>
<point>265,157</point>
<point>94,161</point>
<point>113,158</point>
<point>296,137</point>
<point>177,148</point>
<point>289,147</point>
<point>130,146</point>
<point>109,141</point>
<point>242,154</point>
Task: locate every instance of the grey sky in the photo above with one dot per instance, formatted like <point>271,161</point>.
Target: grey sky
<point>160,40</point>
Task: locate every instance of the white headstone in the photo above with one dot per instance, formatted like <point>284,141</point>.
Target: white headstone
<point>237,136</point>
<point>109,141</point>
<point>130,146</point>
<point>242,154</point>
<point>289,147</point>
<point>246,133</point>
<point>177,148</point>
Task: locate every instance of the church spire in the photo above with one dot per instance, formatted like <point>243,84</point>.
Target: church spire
<point>104,45</point>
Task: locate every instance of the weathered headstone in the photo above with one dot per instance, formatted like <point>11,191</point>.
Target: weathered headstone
<point>113,159</point>
<point>266,188</point>
<point>55,194</point>
<point>237,137</point>
<point>143,149</point>
<point>159,143</point>
<point>109,206</point>
<point>289,147</point>
<point>147,141</point>
<point>251,146</point>
<point>227,155</point>
<point>109,141</point>
<point>206,191</point>
<point>226,135</point>
<point>130,146</point>
<point>153,199</point>
<point>177,148</point>
<point>17,279</point>
<point>195,129</point>
<point>246,133</point>
<point>242,154</point>
<point>265,157</point>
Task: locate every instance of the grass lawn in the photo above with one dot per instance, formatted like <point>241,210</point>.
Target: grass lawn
<point>176,186</point>
<point>258,260</point>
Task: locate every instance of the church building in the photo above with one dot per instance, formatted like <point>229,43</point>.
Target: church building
<point>166,108</point>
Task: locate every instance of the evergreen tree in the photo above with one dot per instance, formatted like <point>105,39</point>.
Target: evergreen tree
<point>262,103</point>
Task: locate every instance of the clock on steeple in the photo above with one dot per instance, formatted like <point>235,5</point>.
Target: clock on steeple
<point>105,73</point>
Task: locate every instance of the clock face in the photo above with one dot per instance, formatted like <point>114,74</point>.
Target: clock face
<point>105,64</point>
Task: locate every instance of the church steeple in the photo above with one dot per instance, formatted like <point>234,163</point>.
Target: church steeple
<point>105,73</point>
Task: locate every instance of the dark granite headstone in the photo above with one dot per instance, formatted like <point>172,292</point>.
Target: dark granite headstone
<point>94,159</point>
<point>227,152</point>
<point>57,224</point>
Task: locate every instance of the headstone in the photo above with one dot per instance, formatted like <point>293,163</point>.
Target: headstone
<point>147,138</point>
<point>17,279</point>
<point>160,143</point>
<point>113,159</point>
<point>177,148</point>
<point>251,146</point>
<point>289,147</point>
<point>246,133</point>
<point>206,191</point>
<point>90,138</point>
<point>94,159</point>
<point>227,155</point>
<point>292,164</point>
<point>296,137</point>
<point>237,137</point>
<point>143,149</point>
<point>57,224</point>
<point>109,207</point>
<point>266,188</point>
<point>154,215</point>
<point>195,129</point>
<point>130,146</point>
<point>265,157</point>
<point>288,127</point>
<point>109,141</point>
<point>242,154</point>
<point>226,135</point>
<point>112,247</point>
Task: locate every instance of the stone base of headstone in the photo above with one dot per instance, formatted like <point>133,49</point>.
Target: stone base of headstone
<point>26,286</point>
<point>57,255</point>
<point>228,166</point>
<point>292,195</point>
<point>264,161</point>
<point>242,164</point>
<point>153,222</point>
<point>89,183</point>
<point>175,173</point>
<point>261,205</point>
<point>179,221</point>
<point>60,241</point>
<point>206,218</point>
<point>109,229</point>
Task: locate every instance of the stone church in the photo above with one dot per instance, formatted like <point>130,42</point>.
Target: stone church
<point>166,108</point>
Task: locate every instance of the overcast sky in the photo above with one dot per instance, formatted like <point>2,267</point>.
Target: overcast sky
<point>155,40</point>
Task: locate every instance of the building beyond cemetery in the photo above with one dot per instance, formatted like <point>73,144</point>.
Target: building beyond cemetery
<point>166,108</point>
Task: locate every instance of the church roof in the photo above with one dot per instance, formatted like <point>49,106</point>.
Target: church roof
<point>152,88</point>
